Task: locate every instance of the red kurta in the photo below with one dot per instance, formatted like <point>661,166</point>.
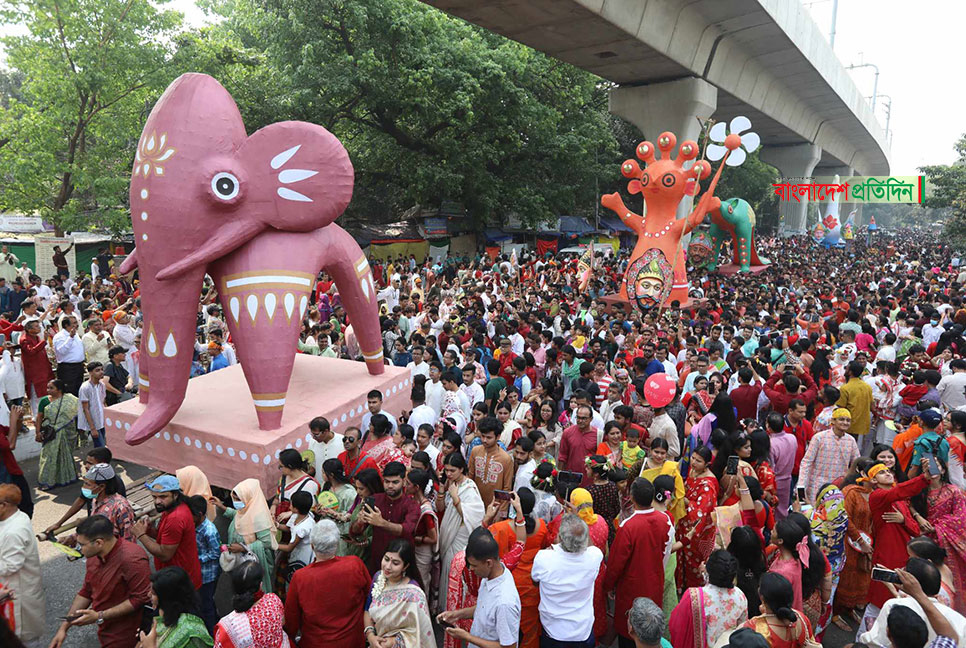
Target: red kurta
<point>36,366</point>
<point>635,566</point>
<point>890,539</point>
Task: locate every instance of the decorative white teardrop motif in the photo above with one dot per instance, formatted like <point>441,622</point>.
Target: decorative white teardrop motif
<point>152,344</point>
<point>294,196</point>
<point>270,303</point>
<point>295,175</point>
<point>252,305</point>
<point>234,306</point>
<point>284,156</point>
<point>289,301</point>
<point>170,348</point>
<point>303,304</point>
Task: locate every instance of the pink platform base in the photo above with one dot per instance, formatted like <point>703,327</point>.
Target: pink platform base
<point>732,268</point>
<point>216,428</point>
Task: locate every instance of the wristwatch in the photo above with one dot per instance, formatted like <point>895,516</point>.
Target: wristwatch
<point>100,618</point>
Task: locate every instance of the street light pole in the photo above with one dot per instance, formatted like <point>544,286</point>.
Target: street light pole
<point>887,106</point>
<point>835,11</point>
<point>875,84</point>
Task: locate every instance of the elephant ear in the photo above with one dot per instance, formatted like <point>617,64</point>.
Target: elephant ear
<point>300,173</point>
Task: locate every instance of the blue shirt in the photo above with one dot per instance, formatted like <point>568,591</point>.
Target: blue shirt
<point>209,548</point>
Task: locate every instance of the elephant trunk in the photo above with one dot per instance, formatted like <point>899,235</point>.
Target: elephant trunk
<point>167,347</point>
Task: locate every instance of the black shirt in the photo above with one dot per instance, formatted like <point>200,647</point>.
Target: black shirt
<point>118,378</point>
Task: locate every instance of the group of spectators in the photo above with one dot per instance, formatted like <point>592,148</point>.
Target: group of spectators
<point>783,453</point>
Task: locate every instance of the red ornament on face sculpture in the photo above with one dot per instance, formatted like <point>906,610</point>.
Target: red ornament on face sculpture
<point>663,182</point>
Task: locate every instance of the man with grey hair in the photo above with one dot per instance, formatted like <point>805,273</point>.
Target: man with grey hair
<point>322,614</point>
<point>565,574</point>
<point>645,621</point>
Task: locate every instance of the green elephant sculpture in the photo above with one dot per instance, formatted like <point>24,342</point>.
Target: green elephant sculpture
<point>735,219</point>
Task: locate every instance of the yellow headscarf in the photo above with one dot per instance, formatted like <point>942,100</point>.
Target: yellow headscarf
<point>194,482</point>
<point>875,470</point>
<point>583,502</point>
<point>841,412</point>
<point>255,516</point>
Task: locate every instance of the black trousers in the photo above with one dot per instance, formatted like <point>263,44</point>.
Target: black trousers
<point>71,373</point>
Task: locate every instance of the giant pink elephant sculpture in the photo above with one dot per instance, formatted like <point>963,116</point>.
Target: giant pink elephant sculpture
<point>200,190</point>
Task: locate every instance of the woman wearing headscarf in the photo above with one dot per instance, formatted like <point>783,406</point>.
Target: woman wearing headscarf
<point>252,527</point>
<point>194,482</point>
<point>830,525</point>
<point>854,579</point>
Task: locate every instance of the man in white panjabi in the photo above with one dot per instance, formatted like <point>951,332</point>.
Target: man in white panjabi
<point>20,568</point>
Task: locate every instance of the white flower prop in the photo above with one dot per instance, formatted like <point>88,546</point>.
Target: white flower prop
<point>749,141</point>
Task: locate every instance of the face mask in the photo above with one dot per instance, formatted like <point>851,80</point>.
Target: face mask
<point>934,322</point>
<point>86,492</point>
<point>238,505</point>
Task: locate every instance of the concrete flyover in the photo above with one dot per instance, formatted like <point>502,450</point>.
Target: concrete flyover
<point>675,60</point>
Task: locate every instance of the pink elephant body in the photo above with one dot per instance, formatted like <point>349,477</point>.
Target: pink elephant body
<point>200,189</point>
<point>264,288</point>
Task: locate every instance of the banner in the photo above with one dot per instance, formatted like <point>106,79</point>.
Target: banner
<point>44,250</point>
<point>438,252</point>
<point>492,251</point>
<point>546,245</point>
<point>391,251</point>
<point>29,224</point>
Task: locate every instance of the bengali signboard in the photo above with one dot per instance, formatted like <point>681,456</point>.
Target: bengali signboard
<point>17,223</point>
<point>858,189</point>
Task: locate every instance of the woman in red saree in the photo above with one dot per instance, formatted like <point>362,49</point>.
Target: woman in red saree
<point>947,511</point>
<point>696,529</point>
<point>760,453</point>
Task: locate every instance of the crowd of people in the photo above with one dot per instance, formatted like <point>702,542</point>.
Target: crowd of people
<point>783,453</point>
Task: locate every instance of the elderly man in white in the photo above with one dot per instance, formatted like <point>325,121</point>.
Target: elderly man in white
<point>20,568</point>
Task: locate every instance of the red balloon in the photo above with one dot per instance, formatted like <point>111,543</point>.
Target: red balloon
<point>659,390</point>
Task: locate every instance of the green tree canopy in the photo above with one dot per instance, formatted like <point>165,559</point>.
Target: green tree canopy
<point>946,188</point>
<point>86,70</point>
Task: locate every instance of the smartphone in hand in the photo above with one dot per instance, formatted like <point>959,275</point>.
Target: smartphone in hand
<point>732,467</point>
<point>885,575</point>
<point>503,496</point>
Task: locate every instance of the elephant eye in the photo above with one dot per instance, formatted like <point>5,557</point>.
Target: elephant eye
<point>644,179</point>
<point>668,179</point>
<point>225,185</point>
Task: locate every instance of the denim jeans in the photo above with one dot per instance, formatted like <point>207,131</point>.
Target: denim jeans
<point>209,614</point>
<point>101,439</point>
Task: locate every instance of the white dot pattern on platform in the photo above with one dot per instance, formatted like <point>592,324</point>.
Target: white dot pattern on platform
<point>198,445</point>
<point>308,438</point>
<point>266,459</point>
<point>177,438</point>
<point>254,458</point>
<point>242,455</point>
<point>231,452</point>
<point>108,422</point>
<point>167,436</point>
<point>127,426</point>
<point>219,449</point>
<point>208,446</point>
<point>298,443</point>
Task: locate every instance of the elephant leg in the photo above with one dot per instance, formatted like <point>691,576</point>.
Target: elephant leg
<point>743,245</point>
<point>167,346</point>
<point>348,266</point>
<point>717,239</point>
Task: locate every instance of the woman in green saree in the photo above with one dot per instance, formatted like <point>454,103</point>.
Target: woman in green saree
<point>252,527</point>
<point>178,625</point>
<point>58,409</point>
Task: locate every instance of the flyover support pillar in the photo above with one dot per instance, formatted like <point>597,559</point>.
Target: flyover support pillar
<point>675,106</point>
<point>796,163</point>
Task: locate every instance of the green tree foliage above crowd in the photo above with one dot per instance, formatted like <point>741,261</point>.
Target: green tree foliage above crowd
<point>946,188</point>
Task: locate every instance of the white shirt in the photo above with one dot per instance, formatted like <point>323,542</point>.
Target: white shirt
<point>952,390</point>
<point>303,552</point>
<point>517,344</point>
<point>524,475</point>
<point>566,584</point>
<point>367,417</point>
<point>93,395</point>
<point>432,451</point>
<point>68,349</point>
<point>434,395</point>
<point>325,451</point>
<point>877,635</point>
<point>421,369</point>
<point>886,353</point>
<point>423,414</point>
<point>474,392</point>
<point>497,615</point>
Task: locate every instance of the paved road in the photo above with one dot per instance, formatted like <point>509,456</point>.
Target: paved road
<point>63,578</point>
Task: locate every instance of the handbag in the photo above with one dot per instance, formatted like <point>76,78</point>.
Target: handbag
<point>47,431</point>
<point>230,561</point>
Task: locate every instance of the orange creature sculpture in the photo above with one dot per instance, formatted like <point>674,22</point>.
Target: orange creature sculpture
<point>656,274</point>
